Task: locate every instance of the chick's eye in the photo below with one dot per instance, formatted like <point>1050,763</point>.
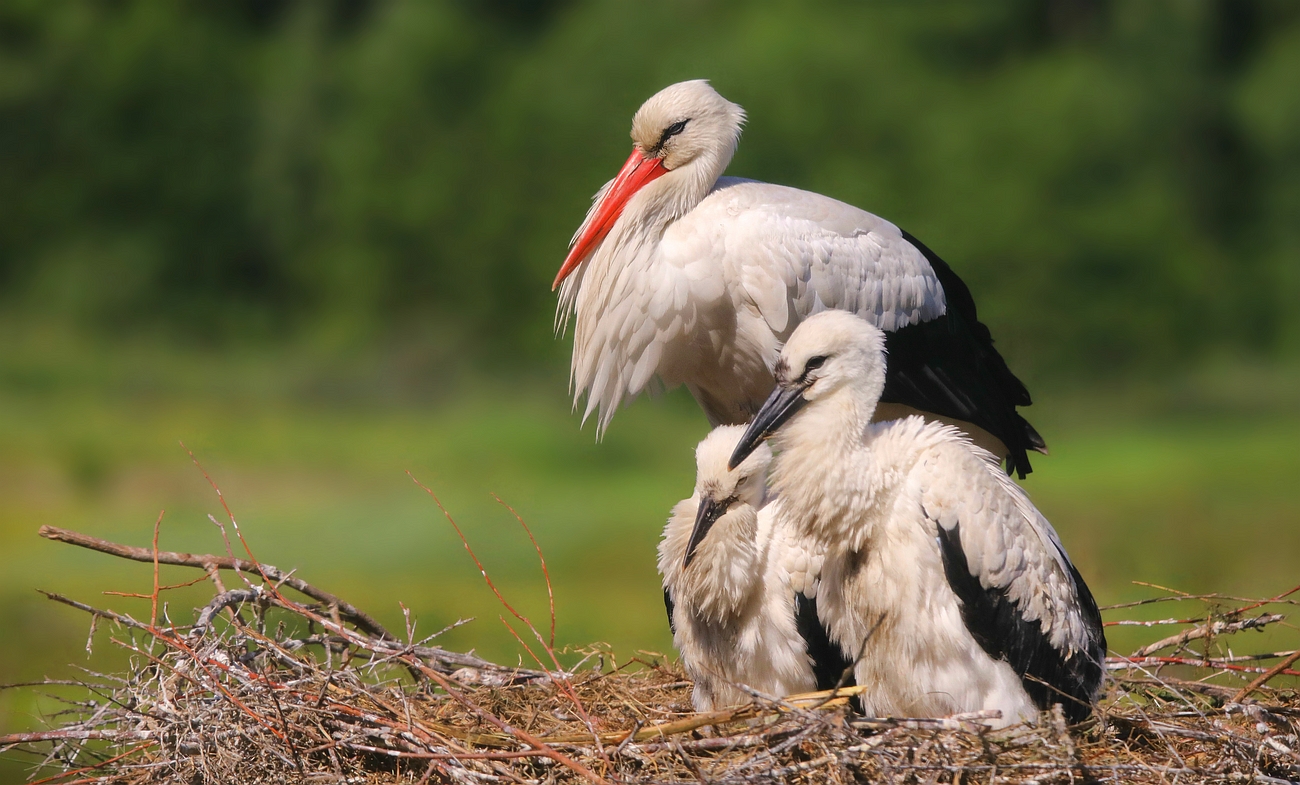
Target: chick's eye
<point>813,364</point>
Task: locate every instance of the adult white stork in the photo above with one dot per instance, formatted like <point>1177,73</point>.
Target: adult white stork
<point>680,273</point>
<point>939,571</point>
<point>740,588</point>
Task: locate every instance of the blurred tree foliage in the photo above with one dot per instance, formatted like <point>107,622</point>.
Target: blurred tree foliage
<point>1119,182</point>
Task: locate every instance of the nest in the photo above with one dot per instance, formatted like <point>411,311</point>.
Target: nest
<point>277,680</point>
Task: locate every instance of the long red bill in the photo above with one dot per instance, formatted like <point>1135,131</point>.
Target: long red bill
<point>636,172</point>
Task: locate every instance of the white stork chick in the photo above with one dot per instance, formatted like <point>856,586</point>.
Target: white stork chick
<point>734,585</point>
<point>680,273</point>
<point>939,571</point>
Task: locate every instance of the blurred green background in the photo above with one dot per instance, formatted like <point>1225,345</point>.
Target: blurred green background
<point>315,239</point>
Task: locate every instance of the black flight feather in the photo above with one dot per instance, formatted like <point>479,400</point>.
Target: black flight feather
<point>948,366</point>
<point>829,662</point>
<point>668,606</point>
<point>1003,633</point>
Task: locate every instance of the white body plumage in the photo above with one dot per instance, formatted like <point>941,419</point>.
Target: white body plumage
<point>707,299</point>
<point>733,604</point>
<point>696,279</point>
<point>939,571</point>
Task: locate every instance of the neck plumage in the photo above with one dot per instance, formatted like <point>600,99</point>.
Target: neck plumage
<point>644,219</point>
<point>649,213</point>
<point>618,279</point>
<point>825,472</point>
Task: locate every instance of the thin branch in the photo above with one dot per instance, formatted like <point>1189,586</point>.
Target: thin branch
<point>153,596</point>
<point>550,594</point>
<point>1280,668</point>
<point>1123,663</point>
<point>1205,631</point>
<point>207,561</point>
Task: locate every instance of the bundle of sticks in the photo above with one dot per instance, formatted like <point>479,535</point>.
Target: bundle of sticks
<point>277,680</point>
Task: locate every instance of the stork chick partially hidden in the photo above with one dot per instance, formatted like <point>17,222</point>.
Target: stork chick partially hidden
<point>938,568</point>
<point>739,588</point>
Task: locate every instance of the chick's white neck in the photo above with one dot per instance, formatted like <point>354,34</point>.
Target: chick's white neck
<point>822,451</point>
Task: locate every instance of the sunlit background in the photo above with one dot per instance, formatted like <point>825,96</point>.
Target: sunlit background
<point>314,241</point>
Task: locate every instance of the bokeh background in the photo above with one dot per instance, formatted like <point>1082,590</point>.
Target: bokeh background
<point>314,240</point>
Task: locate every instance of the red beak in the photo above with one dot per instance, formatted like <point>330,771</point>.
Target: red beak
<point>636,172</point>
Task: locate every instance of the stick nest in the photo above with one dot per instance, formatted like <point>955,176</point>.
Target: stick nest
<point>279,681</point>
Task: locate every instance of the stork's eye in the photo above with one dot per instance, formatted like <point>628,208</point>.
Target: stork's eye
<point>673,130</point>
<point>813,364</point>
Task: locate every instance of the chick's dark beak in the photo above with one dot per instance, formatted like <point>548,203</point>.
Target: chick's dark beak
<point>781,405</point>
<point>708,514</point>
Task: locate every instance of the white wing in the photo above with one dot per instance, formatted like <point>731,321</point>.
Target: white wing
<point>1008,545</point>
<point>710,301</point>
<point>795,253</point>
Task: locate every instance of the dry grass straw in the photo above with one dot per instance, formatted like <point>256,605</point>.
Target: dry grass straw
<point>266,684</point>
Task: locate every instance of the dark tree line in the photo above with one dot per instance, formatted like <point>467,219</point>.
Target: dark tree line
<point>1119,182</point>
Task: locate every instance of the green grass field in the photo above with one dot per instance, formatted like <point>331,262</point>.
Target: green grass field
<point>1200,495</point>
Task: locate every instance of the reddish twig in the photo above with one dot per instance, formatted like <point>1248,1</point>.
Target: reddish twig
<point>234,524</point>
<point>1195,662</point>
<point>153,597</point>
<point>138,596</point>
<point>487,578</point>
<point>558,678</point>
<point>1261,603</point>
<point>99,765</point>
<point>1280,668</point>
<point>546,575</point>
<point>481,569</point>
<point>527,648</point>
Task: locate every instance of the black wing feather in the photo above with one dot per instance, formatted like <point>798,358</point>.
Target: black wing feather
<point>949,366</point>
<point>668,606</point>
<point>997,625</point>
<point>829,662</point>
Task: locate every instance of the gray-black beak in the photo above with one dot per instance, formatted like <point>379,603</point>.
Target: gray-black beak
<point>780,406</point>
<point>710,511</point>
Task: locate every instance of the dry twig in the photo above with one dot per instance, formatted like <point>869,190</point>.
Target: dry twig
<point>305,693</point>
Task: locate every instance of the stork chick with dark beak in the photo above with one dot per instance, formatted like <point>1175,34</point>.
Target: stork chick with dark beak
<point>938,569</point>
<point>740,589</point>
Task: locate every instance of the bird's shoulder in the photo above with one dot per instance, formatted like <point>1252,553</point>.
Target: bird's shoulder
<point>959,484</point>
<point>793,253</point>
<point>922,450</point>
<point>757,201</point>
